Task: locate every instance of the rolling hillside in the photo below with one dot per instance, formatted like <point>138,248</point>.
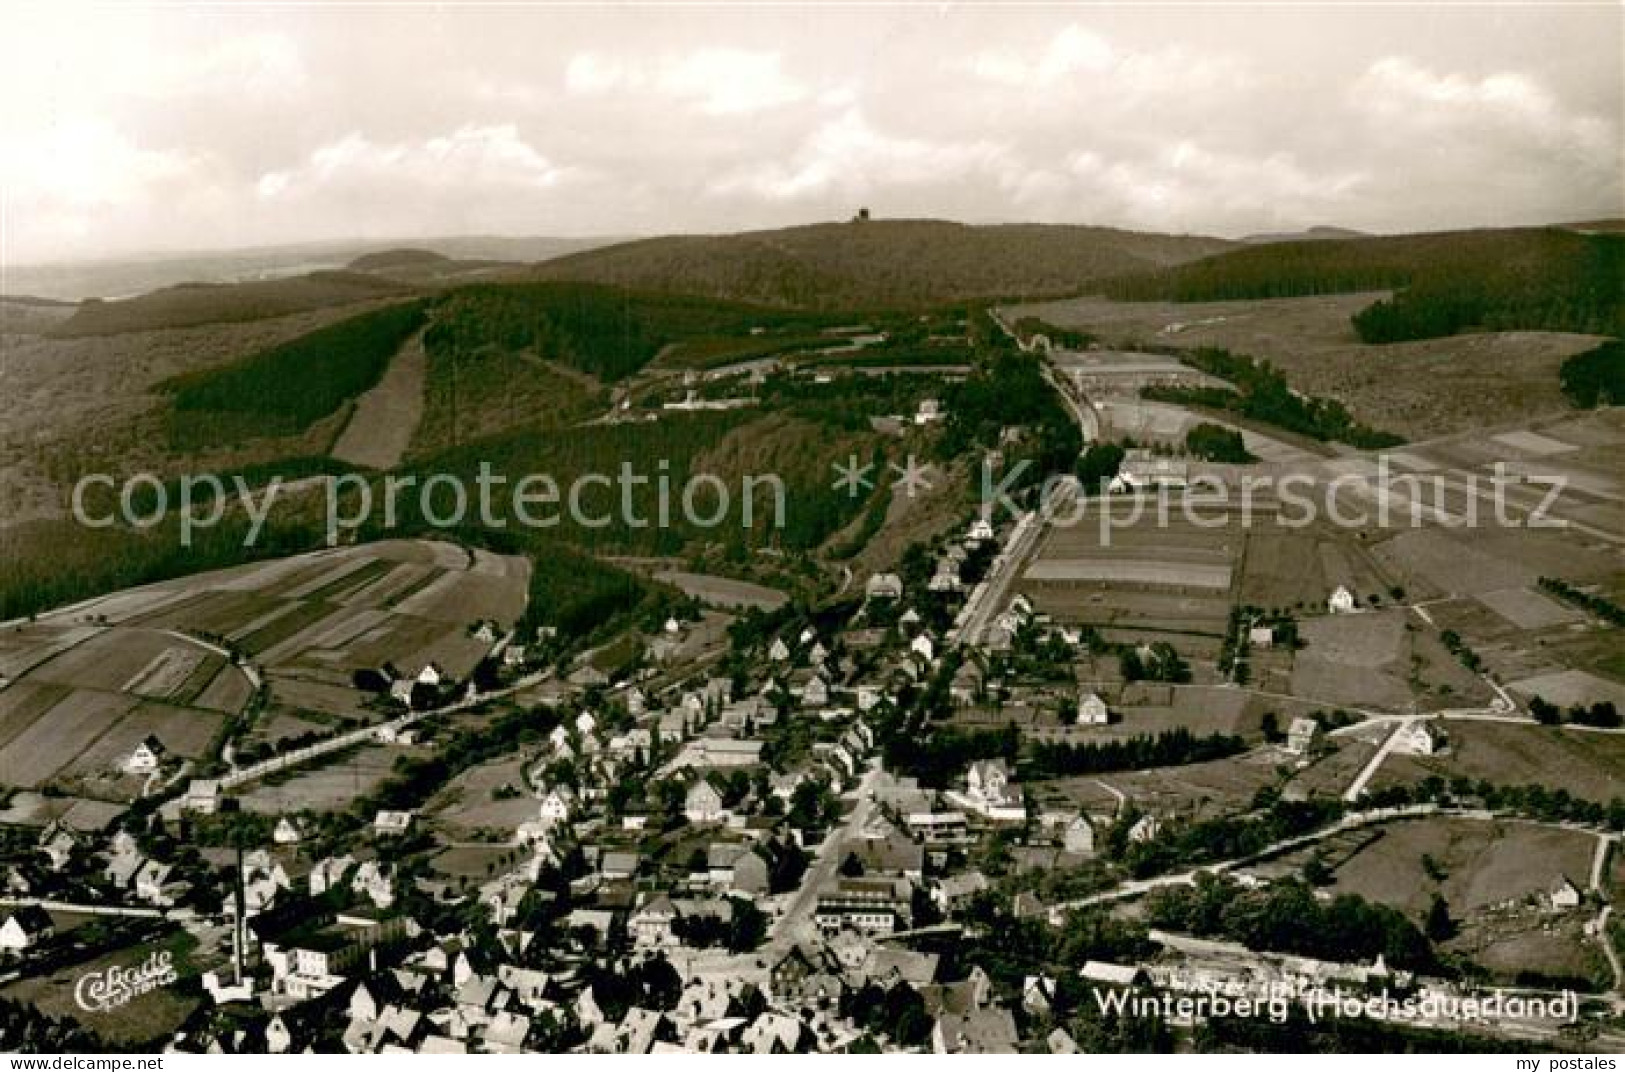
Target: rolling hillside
<point>881,262</point>
<point>1526,278</point>
<point>192,304</point>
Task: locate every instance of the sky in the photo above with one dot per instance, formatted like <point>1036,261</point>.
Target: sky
<point>137,128</point>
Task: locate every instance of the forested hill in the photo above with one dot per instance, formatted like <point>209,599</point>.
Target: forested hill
<point>1526,278</point>
<point>870,263</point>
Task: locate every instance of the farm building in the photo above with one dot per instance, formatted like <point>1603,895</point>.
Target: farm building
<point>1261,636</point>
<point>1341,601</point>
<point>1302,736</point>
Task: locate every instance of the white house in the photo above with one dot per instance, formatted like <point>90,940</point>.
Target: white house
<point>147,757</point>
<point>202,796</point>
<point>1420,738</point>
<point>923,647</point>
<point>1564,895</point>
<point>981,529</point>
<point>287,832</point>
<point>557,805</point>
<point>1079,837</point>
<point>703,803</point>
<point>1092,710</point>
<point>816,692</point>
<point>884,586</point>
<point>990,792</point>
<point>1302,736</point>
<point>392,822</point>
<point>25,928</point>
<point>778,651</point>
<point>1341,600</point>
<point>1261,636</point>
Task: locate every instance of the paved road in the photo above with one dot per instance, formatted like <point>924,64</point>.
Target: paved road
<point>345,740</point>
<point>796,925</point>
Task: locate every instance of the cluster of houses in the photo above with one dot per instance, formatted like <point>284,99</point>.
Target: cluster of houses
<point>736,835</point>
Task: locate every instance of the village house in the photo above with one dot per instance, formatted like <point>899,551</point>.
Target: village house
<point>990,793</point>
<point>1092,710</point>
<point>1563,896</point>
<point>1303,736</point>
<point>985,1030</point>
<point>1341,601</point>
<point>815,693</point>
<point>883,586</point>
<point>146,758</point>
<point>866,905</point>
<point>1422,737</point>
<point>24,929</point>
<point>1079,837</point>
<point>557,806</point>
<point>392,822</point>
<point>202,796</point>
<point>703,804</point>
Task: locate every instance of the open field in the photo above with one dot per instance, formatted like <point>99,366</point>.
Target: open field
<point>59,734</point>
<point>1484,864</point>
<point>1148,577</point>
<point>1587,765</point>
<point>1417,389</point>
<point>385,418</point>
<point>467,803</point>
<point>723,591</point>
<point>152,1016</point>
<point>330,786</point>
<point>1222,786</point>
<point>84,696</point>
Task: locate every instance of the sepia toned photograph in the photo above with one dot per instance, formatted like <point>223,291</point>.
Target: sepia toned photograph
<point>812,529</point>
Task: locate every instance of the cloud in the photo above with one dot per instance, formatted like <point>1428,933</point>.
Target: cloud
<point>1080,59</point>
<point>848,154</point>
<point>718,81</point>
<point>1187,185</point>
<point>1399,90</point>
<point>470,158</point>
<point>171,128</point>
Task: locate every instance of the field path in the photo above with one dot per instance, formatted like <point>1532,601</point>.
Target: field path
<point>386,417</point>
<point>1356,787</point>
